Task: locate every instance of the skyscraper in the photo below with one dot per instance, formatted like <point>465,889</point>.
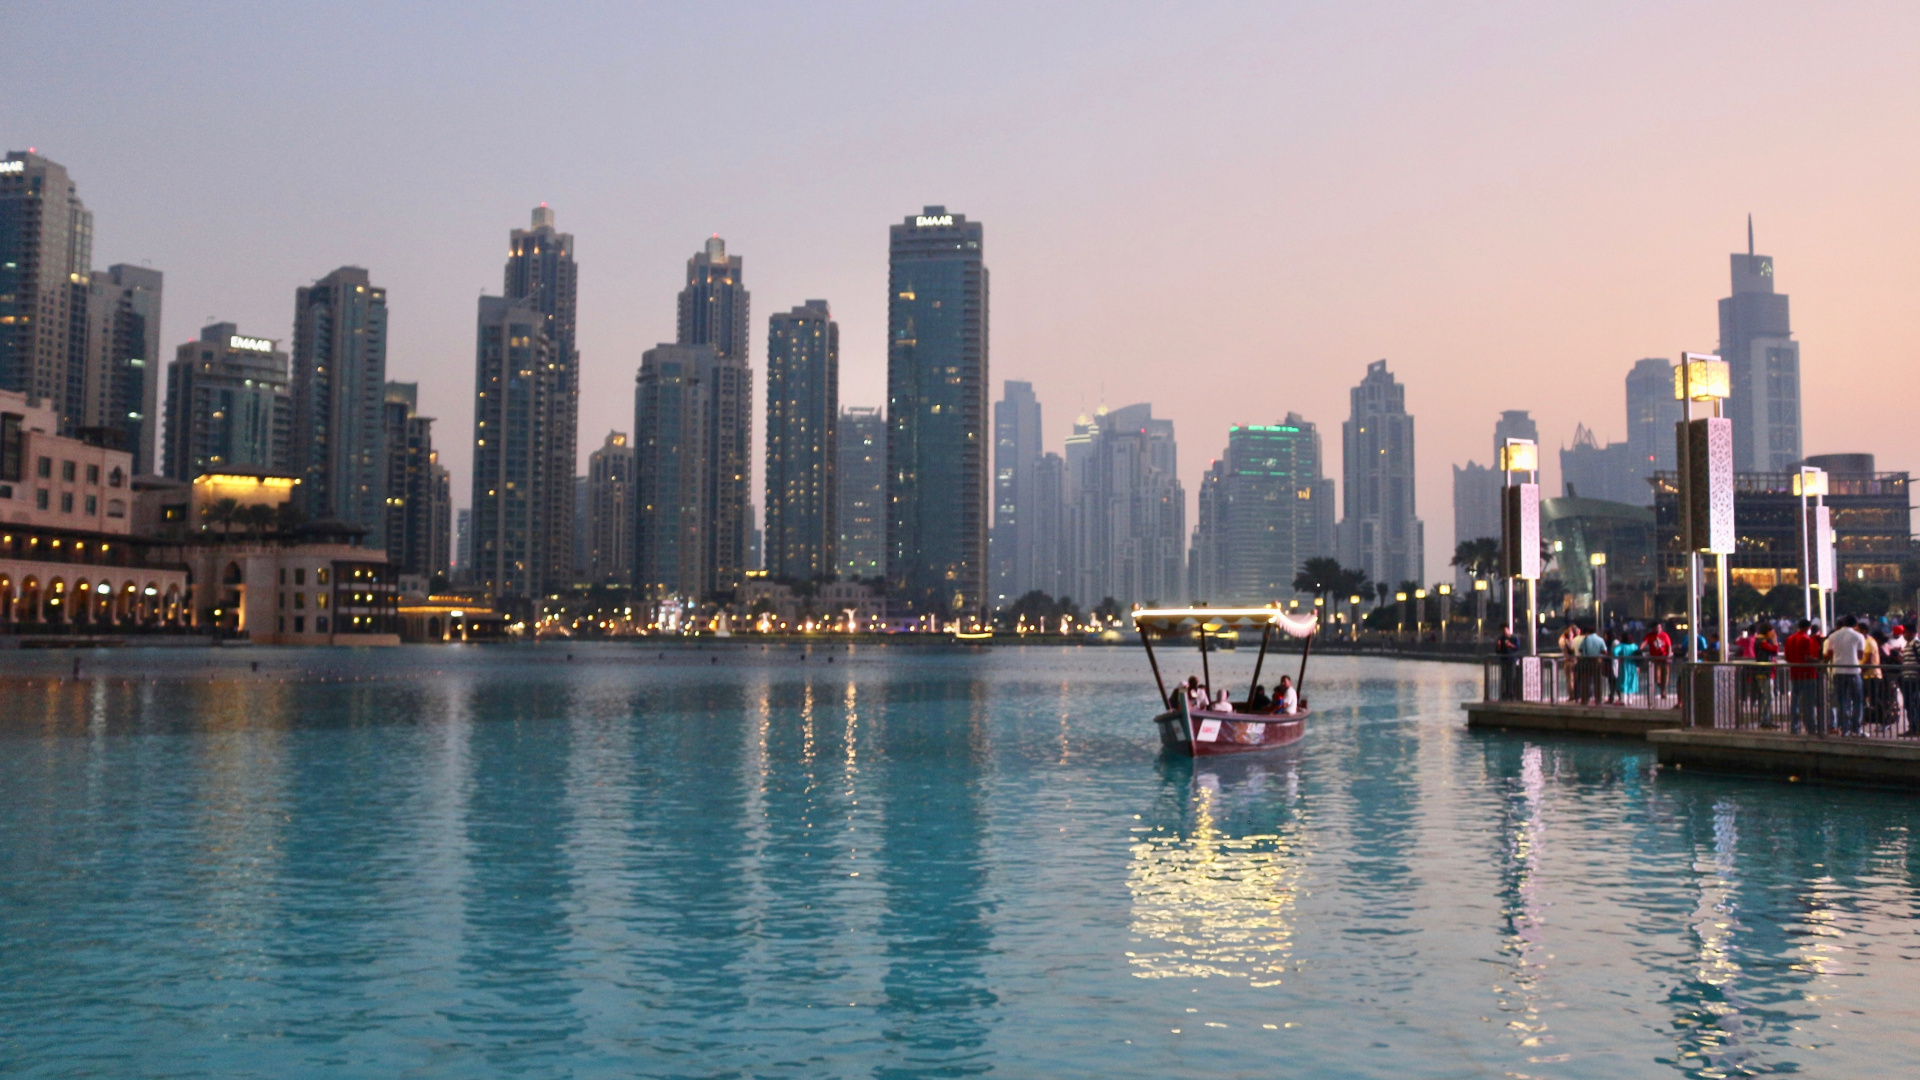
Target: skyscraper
<point>122,370</point>
<point>1592,471</point>
<point>510,536</point>
<point>48,237</point>
<point>937,485</point>
<point>672,536</point>
<point>339,380</point>
<point>463,545</point>
<point>1126,509</point>
<point>803,408</point>
<point>1379,530</point>
<point>1016,459</point>
<point>1651,414</point>
<point>228,405</point>
<point>1756,341</point>
<point>610,512</point>
<point>1052,561</point>
<point>860,474</point>
<point>1265,510</point>
<point>541,274</point>
<point>713,306</point>
<point>1476,487</point>
<point>440,522</point>
<point>411,463</point>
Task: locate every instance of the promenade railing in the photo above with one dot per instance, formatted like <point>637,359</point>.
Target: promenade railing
<point>1620,682</point>
<point>1807,699</point>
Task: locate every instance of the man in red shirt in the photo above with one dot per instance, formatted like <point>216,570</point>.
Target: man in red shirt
<point>1658,648</point>
<point>1803,652</point>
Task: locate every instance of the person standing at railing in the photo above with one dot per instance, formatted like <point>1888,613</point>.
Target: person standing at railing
<point>1803,678</point>
<point>1659,650</point>
<point>1875,707</point>
<point>1844,648</point>
<point>1627,656</point>
<point>1910,681</point>
<point>1507,648</point>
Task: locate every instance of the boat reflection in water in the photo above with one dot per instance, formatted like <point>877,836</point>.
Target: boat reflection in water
<point>1217,870</point>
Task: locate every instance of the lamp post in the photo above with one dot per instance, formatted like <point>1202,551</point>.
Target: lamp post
<point>1598,560</point>
<point>1401,599</point>
<point>1520,532</point>
<point>1706,482</point>
<point>1446,609</point>
<point>1810,483</point>
<point>1419,612</point>
<point>1480,609</point>
<point>1353,615</point>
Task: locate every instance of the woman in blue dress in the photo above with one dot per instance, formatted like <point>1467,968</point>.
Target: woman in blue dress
<point>1628,654</point>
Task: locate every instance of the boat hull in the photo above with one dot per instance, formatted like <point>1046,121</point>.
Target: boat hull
<point>1205,733</point>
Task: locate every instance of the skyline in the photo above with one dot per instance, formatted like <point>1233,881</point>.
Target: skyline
<point>1458,196</point>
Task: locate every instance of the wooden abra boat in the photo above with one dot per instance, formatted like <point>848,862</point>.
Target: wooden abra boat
<point>1206,731</point>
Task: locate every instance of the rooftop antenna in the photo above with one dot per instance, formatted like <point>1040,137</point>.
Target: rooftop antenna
<point>1749,236</point>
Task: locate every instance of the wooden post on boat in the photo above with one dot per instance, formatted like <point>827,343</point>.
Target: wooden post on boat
<point>1266,632</point>
<point>1206,676</point>
<point>1300,684</point>
<point>1146,638</point>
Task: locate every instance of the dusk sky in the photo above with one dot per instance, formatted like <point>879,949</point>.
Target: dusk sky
<point>1226,211</point>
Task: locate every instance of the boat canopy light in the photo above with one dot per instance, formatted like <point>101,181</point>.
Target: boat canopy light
<point>1168,621</point>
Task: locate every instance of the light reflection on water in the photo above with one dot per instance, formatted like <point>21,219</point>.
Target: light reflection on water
<point>471,862</point>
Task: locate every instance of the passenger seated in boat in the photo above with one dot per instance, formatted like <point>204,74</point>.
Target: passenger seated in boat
<point>1285,697</point>
<point>1259,702</point>
<point>1196,697</point>
<point>1221,703</point>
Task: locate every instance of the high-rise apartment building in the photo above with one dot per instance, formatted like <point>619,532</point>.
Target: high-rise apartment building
<point>1016,461</point>
<point>672,536</point>
<point>440,522</point>
<point>803,410</point>
<point>1265,509</point>
<point>1476,487</point>
<point>47,235</point>
<point>463,545</point>
<point>339,381</point>
<point>1756,341</point>
<point>541,274</point>
<point>1380,532</point>
<point>229,405</point>
<point>511,533</point>
<point>860,475</point>
<point>411,479</point>
<point>610,512</point>
<point>122,370</point>
<point>713,306</point>
<point>1125,508</point>
<point>1052,559</point>
<point>1592,471</point>
<point>937,482</point>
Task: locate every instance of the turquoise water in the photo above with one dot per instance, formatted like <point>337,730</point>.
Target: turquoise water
<point>905,863</point>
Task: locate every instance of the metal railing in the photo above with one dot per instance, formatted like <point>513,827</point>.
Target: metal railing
<point>1809,699</point>
<point>1623,682</point>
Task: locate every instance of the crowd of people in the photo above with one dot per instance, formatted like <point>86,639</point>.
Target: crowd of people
<point>1283,701</point>
<point>1866,673</point>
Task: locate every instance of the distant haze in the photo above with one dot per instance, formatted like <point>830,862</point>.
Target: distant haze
<point>1224,210</point>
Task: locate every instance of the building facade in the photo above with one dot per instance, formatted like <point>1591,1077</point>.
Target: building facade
<point>1380,530</point>
<point>339,387</point>
<point>802,533</point>
<point>412,515</point>
<point>47,234</point>
<point>937,478</point>
<point>1265,509</point>
<point>122,369</point>
<point>860,476</point>
<point>1763,360</point>
<point>542,275</point>
<point>673,530</point>
<point>1126,510</point>
<point>1652,412</point>
<point>714,304</point>
<point>1016,462</point>
<point>610,512</point>
<point>509,534</point>
<point>229,405</point>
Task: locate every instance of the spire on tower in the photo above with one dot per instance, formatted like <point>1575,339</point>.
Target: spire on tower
<point>1749,236</point>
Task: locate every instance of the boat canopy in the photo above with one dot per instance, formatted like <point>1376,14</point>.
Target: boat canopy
<point>1168,622</point>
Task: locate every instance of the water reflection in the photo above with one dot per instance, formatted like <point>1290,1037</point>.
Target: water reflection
<point>1217,871</point>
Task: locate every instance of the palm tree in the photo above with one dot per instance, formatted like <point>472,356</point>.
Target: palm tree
<point>222,513</point>
<point>1319,576</point>
<point>1477,557</point>
<point>260,518</point>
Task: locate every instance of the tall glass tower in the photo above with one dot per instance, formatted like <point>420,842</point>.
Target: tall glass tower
<point>1379,531</point>
<point>803,408</point>
<point>542,275</point>
<point>937,484</point>
<point>1756,341</point>
<point>339,380</point>
<point>1016,461</point>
